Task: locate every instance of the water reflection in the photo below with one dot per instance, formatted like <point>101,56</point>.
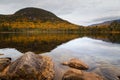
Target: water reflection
<point>37,43</point>
<point>102,57</point>
<point>100,52</point>
<point>11,53</point>
<point>42,42</point>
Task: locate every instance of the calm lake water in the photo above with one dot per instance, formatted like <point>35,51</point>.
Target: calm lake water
<point>100,51</point>
<point>42,42</point>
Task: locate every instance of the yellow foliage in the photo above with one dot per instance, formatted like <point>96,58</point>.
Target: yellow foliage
<point>41,25</point>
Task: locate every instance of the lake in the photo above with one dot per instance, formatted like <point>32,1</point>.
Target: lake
<point>45,42</point>
<point>100,51</point>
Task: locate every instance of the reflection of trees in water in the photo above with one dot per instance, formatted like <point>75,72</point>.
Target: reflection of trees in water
<point>114,38</point>
<point>34,42</point>
<point>45,42</point>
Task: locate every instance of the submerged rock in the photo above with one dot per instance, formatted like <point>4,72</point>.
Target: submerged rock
<point>75,74</point>
<point>4,62</point>
<point>30,67</point>
<point>76,63</point>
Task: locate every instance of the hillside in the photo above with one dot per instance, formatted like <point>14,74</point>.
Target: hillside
<point>29,19</point>
<point>106,23</point>
<point>112,26</point>
<point>39,20</point>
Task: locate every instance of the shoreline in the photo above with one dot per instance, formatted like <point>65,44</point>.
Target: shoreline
<point>62,69</point>
<point>29,56</point>
<point>62,32</point>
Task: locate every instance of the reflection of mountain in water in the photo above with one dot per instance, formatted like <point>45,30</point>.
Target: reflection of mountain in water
<point>34,42</point>
<point>45,42</point>
<point>102,57</point>
<point>114,38</point>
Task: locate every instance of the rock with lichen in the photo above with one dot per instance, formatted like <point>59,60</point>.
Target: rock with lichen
<point>29,67</point>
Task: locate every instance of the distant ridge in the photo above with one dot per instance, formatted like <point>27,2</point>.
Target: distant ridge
<point>106,22</point>
<point>112,26</point>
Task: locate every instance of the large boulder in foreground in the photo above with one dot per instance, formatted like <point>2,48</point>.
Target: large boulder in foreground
<point>4,62</point>
<point>75,74</point>
<point>76,63</point>
<point>30,67</point>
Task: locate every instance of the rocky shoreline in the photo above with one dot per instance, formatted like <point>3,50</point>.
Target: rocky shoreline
<point>32,66</point>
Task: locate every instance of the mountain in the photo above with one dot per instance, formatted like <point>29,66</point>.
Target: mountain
<point>106,23</point>
<point>36,13</point>
<point>34,18</point>
<point>112,26</point>
<point>38,20</point>
<point>31,14</point>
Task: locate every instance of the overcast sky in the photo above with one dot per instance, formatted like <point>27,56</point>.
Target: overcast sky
<point>82,12</point>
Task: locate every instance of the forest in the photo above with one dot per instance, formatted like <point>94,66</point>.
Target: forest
<point>39,20</point>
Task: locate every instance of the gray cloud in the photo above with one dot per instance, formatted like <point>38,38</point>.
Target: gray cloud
<point>82,12</point>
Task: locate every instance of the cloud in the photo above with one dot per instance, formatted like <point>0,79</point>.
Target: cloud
<point>82,12</point>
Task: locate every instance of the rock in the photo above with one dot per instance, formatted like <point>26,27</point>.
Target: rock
<point>92,76</point>
<point>4,62</point>
<point>30,67</point>
<point>76,63</point>
<point>119,77</point>
<point>1,54</point>
<point>75,74</point>
<point>65,63</point>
